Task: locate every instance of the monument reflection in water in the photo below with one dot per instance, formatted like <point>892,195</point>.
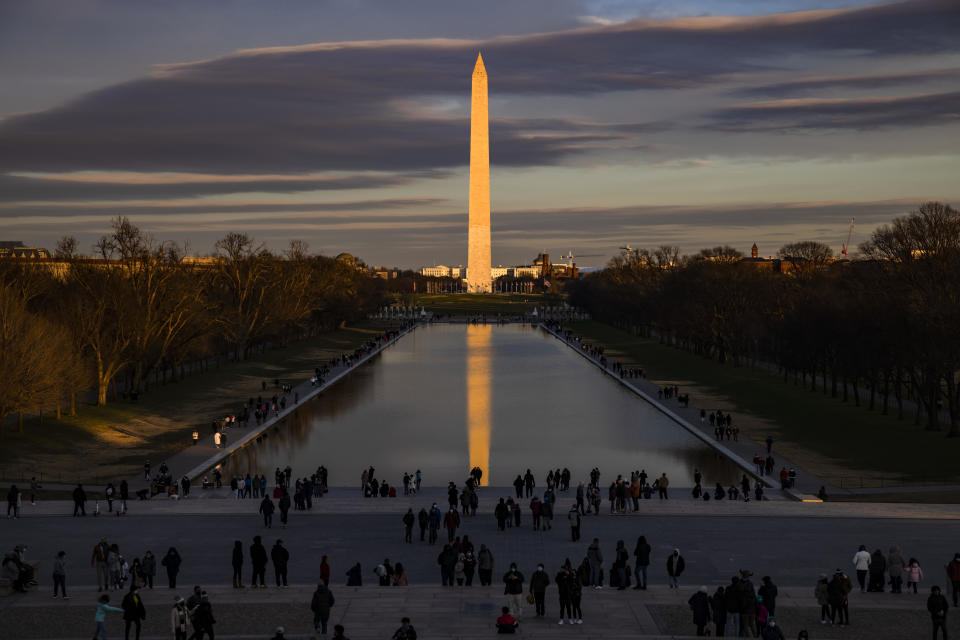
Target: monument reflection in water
<point>447,398</point>
<point>479,382</point>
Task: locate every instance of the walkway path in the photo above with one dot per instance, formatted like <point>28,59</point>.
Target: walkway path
<point>198,459</point>
<point>740,451</point>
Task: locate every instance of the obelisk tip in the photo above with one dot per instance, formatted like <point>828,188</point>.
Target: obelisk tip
<point>479,68</point>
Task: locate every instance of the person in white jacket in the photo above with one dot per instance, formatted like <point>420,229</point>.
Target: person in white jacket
<point>179,617</point>
<point>861,562</point>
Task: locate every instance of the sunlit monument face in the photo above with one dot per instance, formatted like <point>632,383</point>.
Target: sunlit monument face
<point>478,241</point>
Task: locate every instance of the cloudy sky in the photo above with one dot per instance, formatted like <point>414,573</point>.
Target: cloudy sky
<point>346,123</point>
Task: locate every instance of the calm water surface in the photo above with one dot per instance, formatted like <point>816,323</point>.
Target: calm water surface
<point>449,397</point>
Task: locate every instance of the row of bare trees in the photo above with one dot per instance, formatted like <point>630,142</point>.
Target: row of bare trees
<point>140,310</point>
<point>883,329</point>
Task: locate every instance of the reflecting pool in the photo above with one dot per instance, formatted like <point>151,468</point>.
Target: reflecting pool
<point>447,398</point>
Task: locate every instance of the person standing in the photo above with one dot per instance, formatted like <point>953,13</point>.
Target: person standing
<point>423,520</point>
<point>861,562</point>
<point>133,612</point>
<point>914,574</point>
<point>539,582</point>
<point>675,566</point>
<point>237,562</point>
<point>894,562</point>
<point>485,565</point>
<point>202,616</point>
<point>408,521</point>
<point>325,570</point>
<point>662,485</point>
<point>700,605</point>
<point>513,589</point>
<point>258,560</point>
<point>60,574</point>
<point>642,554</point>
<point>79,501</point>
<point>937,606</point>
<point>284,505</point>
<point>768,591</point>
<point>148,568</point>
<point>953,572</point>
<point>821,593</point>
<point>435,519</point>
<point>171,562</point>
<point>280,557</point>
<point>266,508</point>
<point>620,560</point>
<point>320,605</point>
<point>595,560</point>
<point>451,521</point>
<point>718,605</point>
<point>103,607</point>
<point>124,495</point>
<point>837,591</point>
<point>562,579</point>
<point>574,517</point>
<point>178,619</point>
<point>98,560</point>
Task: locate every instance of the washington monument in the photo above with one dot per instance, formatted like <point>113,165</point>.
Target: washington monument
<point>478,239</point>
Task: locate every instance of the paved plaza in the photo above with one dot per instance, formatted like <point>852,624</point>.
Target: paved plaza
<point>792,542</point>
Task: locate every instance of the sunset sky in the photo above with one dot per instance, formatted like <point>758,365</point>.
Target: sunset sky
<point>346,124</point>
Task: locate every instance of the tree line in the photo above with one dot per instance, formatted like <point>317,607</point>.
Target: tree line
<point>141,308</point>
<point>882,329</point>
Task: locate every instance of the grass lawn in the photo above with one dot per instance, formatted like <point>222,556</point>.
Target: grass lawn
<point>115,439</point>
<point>465,304</point>
<point>822,434</point>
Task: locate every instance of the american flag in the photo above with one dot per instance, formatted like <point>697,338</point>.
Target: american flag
<point>546,283</point>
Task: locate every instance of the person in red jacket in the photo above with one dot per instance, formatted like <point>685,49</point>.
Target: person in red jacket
<point>451,521</point>
<point>953,571</point>
<point>506,623</point>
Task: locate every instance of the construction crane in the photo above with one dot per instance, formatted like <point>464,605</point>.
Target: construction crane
<point>571,256</point>
<point>846,244</point>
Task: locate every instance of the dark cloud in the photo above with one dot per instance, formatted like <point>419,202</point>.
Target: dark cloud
<point>857,114</point>
<point>198,209</point>
<point>343,106</point>
<point>807,86</point>
<point>15,188</point>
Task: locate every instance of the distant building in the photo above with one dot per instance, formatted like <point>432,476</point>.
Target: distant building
<point>16,249</point>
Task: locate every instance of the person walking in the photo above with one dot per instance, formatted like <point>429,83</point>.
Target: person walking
<point>747,601</point>
<point>280,557</point>
<point>171,562</point>
<point>675,566</point>
<point>620,560</point>
<point>513,589</point>
<point>914,574</point>
<point>267,509</point>
<point>178,619</point>
<point>133,612</point>
<point>98,560</point>
<point>861,562</point>
<point>642,554</point>
<point>258,560</point>
<point>595,561</point>
<point>60,574</point>
<point>539,582</point>
<point>325,570</point>
<point>237,562</point>
<point>451,521</point>
<point>423,520</point>
<point>320,605</point>
<point>100,618</point>
<point>700,606</point>
<point>937,606</point>
<point>878,569</point>
<point>447,559</point>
